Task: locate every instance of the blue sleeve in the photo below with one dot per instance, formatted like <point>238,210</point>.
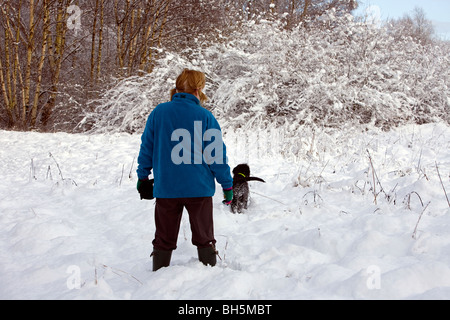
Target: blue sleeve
<point>145,158</point>
<point>220,168</point>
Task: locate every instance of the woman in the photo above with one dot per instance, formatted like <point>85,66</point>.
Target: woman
<point>177,144</point>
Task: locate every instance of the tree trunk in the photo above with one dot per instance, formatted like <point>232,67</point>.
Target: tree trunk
<point>30,48</point>
<point>94,27</point>
<point>55,58</point>
<point>45,32</point>
<point>100,41</point>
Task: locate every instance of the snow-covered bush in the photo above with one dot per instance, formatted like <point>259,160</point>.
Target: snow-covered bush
<point>334,72</point>
<point>351,72</point>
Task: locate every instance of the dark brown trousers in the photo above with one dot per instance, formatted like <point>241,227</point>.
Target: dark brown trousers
<point>168,213</point>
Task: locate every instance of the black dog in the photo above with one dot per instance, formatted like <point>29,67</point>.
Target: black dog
<point>241,176</point>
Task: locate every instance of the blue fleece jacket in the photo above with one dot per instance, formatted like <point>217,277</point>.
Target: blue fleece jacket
<point>182,143</point>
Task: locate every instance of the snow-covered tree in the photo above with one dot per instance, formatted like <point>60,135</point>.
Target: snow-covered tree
<point>337,71</point>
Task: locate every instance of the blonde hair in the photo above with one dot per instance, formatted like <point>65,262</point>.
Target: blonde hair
<point>189,81</point>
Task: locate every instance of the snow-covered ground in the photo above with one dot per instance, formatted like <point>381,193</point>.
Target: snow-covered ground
<point>73,227</point>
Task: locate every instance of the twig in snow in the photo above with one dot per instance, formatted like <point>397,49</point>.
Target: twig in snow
<point>32,171</point>
<point>131,169</point>
<point>442,184</point>
<point>59,169</point>
<point>418,163</point>
<point>57,165</point>
<point>32,210</point>
<point>316,197</point>
<point>120,272</point>
<point>121,176</point>
<point>408,201</point>
<point>224,249</point>
<point>49,174</point>
<point>363,188</point>
<point>390,197</point>
<point>418,220</point>
<point>373,177</point>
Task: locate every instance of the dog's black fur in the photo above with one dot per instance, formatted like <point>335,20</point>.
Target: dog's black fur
<point>241,176</point>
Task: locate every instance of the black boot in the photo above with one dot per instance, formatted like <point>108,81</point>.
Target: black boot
<point>207,255</point>
<point>161,259</point>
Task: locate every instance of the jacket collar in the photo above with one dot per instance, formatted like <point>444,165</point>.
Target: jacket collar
<point>186,96</point>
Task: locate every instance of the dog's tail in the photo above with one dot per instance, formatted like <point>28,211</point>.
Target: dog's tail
<point>254,179</point>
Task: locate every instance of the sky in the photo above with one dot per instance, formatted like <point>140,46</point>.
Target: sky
<point>438,11</point>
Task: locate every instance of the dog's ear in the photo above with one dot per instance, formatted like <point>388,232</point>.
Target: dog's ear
<point>245,169</point>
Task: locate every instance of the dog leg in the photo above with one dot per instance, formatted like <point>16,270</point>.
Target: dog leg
<point>245,201</point>
<point>241,204</point>
<point>233,206</point>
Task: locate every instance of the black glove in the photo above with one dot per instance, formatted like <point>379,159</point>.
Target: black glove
<point>145,188</point>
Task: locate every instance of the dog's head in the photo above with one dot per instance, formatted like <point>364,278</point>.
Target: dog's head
<point>242,173</point>
<point>242,170</point>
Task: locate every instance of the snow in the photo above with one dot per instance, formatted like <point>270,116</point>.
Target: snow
<point>73,227</point>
